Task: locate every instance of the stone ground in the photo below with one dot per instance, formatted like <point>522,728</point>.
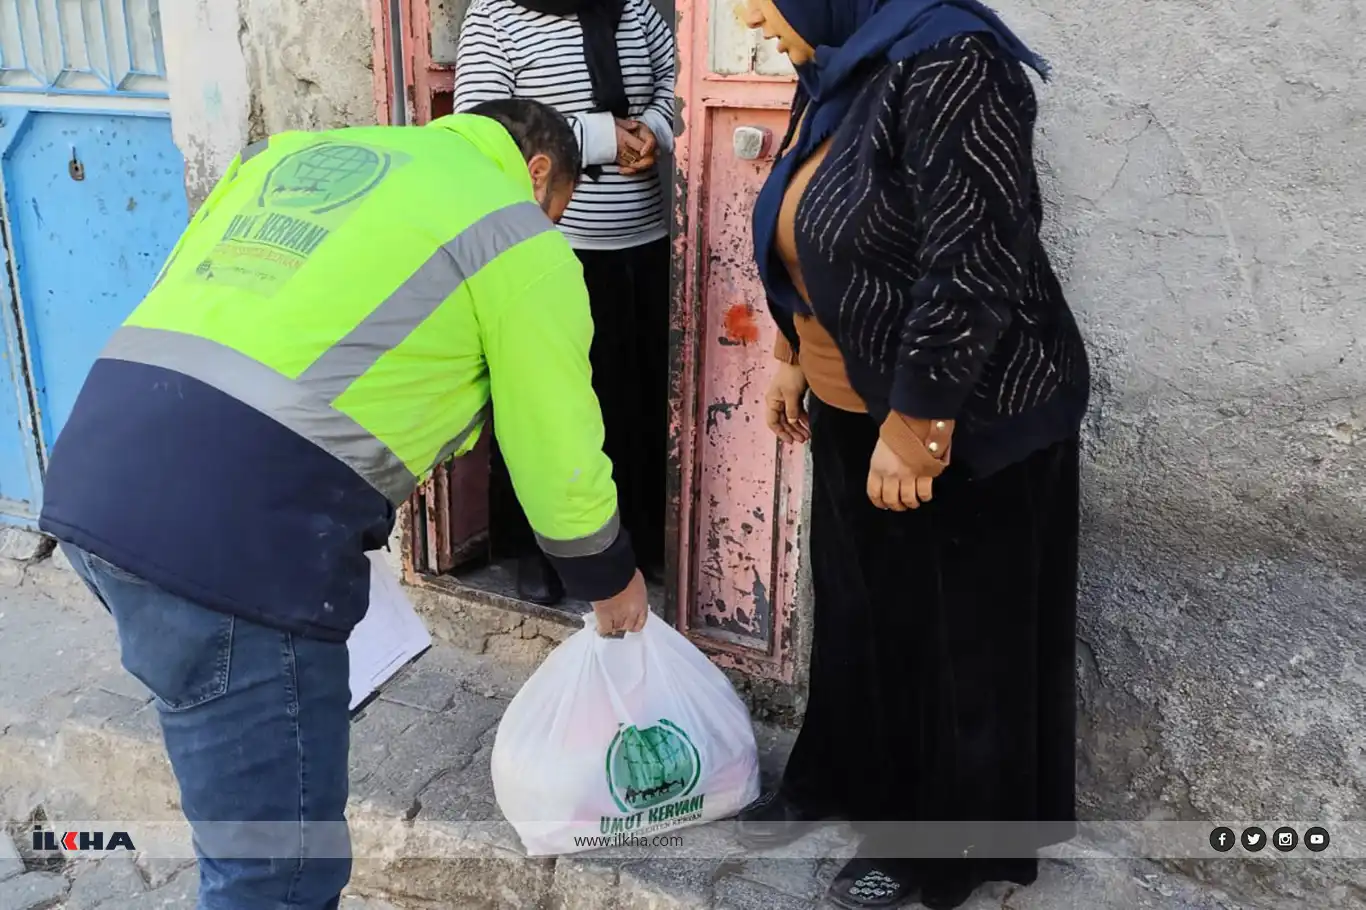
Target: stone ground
<point>78,740</point>
<point>115,883</point>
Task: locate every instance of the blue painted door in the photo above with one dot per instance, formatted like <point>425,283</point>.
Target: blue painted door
<point>93,191</point>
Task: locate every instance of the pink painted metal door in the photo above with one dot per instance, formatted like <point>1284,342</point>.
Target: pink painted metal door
<point>740,493</point>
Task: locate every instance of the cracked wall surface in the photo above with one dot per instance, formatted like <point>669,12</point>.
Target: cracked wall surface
<point>1202,168</point>
<point>243,69</point>
<point>309,62</point>
<point>210,93</point>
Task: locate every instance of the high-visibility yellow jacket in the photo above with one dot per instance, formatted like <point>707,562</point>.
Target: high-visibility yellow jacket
<point>371,289</point>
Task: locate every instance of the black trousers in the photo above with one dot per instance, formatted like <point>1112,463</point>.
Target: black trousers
<point>942,680</point>
<point>629,294</point>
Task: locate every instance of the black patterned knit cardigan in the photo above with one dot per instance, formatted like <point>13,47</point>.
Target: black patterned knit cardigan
<point>919,241</point>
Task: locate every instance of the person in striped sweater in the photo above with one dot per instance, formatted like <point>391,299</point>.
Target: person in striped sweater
<point>608,65</point>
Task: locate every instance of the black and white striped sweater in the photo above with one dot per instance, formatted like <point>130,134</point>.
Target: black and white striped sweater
<point>508,51</point>
<point>919,241</point>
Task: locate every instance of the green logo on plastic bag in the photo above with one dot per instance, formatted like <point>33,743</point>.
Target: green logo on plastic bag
<point>651,766</point>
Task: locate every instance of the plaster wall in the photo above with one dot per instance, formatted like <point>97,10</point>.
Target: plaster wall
<point>1202,169</point>
<point>243,69</point>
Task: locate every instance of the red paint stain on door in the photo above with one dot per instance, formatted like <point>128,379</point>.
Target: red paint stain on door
<point>740,325</point>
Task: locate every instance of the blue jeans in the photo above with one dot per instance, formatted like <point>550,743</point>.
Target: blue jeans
<point>257,726</point>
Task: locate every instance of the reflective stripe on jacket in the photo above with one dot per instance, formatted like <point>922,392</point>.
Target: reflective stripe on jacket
<point>370,289</point>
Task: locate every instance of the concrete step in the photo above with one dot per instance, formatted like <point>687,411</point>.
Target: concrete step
<point>79,741</point>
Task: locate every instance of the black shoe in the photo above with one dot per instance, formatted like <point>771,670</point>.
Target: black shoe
<point>1022,872</point>
<point>773,820</point>
<point>948,883</point>
<point>946,894</point>
<point>865,882</point>
<point>537,581</point>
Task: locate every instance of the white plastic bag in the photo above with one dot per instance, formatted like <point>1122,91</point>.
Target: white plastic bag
<point>624,736</point>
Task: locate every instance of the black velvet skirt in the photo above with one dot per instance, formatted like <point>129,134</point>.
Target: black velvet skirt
<point>942,679</point>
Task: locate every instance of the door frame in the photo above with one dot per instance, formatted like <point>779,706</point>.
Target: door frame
<point>701,93</point>
<point>404,70</point>
<point>15,328</point>
<point>18,105</point>
<point>17,111</point>
<point>410,88</point>
<point>402,30</point>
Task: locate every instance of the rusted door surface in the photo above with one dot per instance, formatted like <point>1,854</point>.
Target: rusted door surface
<point>415,57</point>
<point>739,491</point>
<point>735,494</point>
<point>448,517</point>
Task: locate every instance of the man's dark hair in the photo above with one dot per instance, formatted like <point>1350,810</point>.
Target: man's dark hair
<point>538,129</point>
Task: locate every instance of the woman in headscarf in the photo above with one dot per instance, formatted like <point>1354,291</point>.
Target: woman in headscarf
<point>608,65</point>
<point>898,241</point>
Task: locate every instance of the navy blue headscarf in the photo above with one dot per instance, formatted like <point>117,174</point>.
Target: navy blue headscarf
<point>846,35</point>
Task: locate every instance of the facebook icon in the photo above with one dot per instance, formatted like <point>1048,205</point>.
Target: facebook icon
<point>1221,839</point>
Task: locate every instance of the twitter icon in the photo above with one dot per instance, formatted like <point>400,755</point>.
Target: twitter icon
<point>1254,839</point>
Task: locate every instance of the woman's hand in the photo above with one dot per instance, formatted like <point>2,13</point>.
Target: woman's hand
<point>636,144</point>
<point>893,484</point>
<point>784,408</point>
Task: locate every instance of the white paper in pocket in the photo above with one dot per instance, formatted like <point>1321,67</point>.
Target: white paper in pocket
<point>390,635</point>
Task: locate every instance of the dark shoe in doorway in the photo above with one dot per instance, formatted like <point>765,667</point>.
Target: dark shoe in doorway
<point>537,581</point>
<point>774,820</point>
<point>866,883</point>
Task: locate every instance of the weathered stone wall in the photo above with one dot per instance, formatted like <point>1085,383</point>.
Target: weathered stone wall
<point>310,64</point>
<point>210,94</point>
<point>1206,209</point>
<point>243,69</point>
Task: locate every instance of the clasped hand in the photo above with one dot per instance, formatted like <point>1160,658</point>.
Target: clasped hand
<point>636,146</point>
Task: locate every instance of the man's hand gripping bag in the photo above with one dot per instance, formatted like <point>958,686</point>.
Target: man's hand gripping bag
<point>632,736</point>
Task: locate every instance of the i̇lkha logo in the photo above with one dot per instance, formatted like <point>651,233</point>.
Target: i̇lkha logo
<point>48,840</point>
